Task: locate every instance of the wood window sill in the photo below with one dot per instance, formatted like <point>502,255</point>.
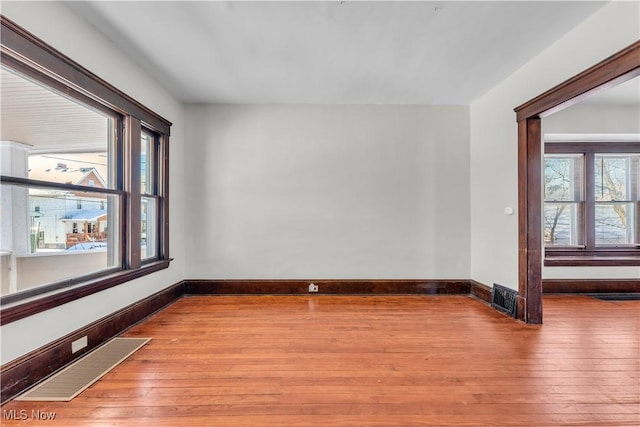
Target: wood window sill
<point>24,308</point>
<point>591,261</point>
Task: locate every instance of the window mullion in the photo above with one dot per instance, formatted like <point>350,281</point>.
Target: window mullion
<point>589,202</point>
<point>132,187</point>
<point>115,177</point>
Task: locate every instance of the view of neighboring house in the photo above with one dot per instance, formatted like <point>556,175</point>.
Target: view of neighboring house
<point>62,219</point>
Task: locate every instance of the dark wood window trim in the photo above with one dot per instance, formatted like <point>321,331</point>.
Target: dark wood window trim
<point>154,189</point>
<point>12,312</point>
<point>591,147</point>
<point>163,180</point>
<point>617,259</point>
<point>589,254</point>
<point>33,57</point>
<point>132,179</point>
<point>26,48</point>
<point>616,69</point>
<point>58,185</point>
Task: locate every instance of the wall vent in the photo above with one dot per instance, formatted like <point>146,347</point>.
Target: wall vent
<point>504,299</point>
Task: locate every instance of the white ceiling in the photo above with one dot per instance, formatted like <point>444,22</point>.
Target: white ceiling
<point>48,121</point>
<point>332,52</point>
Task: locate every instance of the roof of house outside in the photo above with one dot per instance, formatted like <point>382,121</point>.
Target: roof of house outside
<point>85,215</point>
<point>68,168</point>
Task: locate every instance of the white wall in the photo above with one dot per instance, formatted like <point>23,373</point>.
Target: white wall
<point>57,25</point>
<point>594,119</point>
<point>327,192</point>
<point>494,236</point>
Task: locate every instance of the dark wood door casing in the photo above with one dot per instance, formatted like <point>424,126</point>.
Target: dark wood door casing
<point>618,68</point>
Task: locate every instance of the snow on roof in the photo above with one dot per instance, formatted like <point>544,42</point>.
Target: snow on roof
<point>85,215</point>
<point>67,168</point>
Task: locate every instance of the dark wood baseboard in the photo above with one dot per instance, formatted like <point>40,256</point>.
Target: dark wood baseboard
<point>325,286</point>
<point>480,291</point>
<point>590,286</point>
<point>22,373</point>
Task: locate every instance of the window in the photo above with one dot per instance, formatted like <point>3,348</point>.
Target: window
<point>591,203</point>
<point>563,196</point>
<point>616,184</point>
<point>149,146</point>
<point>83,181</point>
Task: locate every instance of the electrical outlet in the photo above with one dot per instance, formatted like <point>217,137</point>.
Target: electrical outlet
<point>313,287</point>
<point>79,344</point>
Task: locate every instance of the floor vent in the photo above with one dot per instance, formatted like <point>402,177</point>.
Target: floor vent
<point>75,378</point>
<point>504,299</point>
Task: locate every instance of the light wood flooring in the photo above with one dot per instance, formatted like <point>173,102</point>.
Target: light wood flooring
<point>368,361</point>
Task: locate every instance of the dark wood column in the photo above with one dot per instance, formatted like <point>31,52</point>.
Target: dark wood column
<point>529,220</point>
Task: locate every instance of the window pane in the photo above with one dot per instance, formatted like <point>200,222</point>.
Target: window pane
<point>149,238</point>
<point>562,224</point>
<point>614,224</point>
<point>563,178</point>
<point>90,169</point>
<point>51,137</point>
<point>49,235</point>
<point>613,177</point>
<point>47,238</point>
<point>146,163</point>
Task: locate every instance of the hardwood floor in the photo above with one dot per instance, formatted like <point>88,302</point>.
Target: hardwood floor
<point>372,361</point>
